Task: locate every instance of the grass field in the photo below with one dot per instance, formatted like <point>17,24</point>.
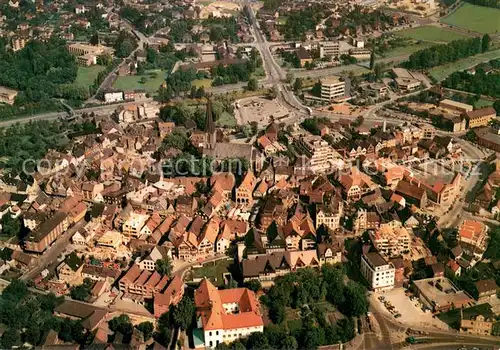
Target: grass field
<point>86,75</point>
<point>132,82</point>
<point>214,271</point>
<point>483,103</point>
<point>226,119</point>
<point>476,18</point>
<point>206,83</point>
<point>431,34</point>
<point>407,50</point>
<point>441,72</point>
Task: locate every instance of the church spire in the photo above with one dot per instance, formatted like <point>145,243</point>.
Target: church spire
<point>210,127</point>
<point>209,121</point>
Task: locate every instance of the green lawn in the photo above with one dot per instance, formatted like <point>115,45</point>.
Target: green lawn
<point>476,18</point>
<point>206,83</point>
<point>441,72</point>
<point>452,317</point>
<point>408,49</point>
<point>226,119</point>
<point>259,73</point>
<point>213,271</point>
<point>431,34</point>
<point>86,75</point>
<point>131,82</point>
<point>483,103</point>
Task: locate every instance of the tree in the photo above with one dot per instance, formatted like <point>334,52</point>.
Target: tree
<point>297,85</point>
<point>290,77</point>
<point>254,126</point>
<point>164,266</point>
<point>15,291</point>
<point>10,227</point>
<point>183,312</point>
<point>253,85</point>
<point>121,324</point>
<point>253,285</point>
<point>10,338</point>
<point>496,105</point>
<point>177,139</point>
<point>356,302</point>
<point>372,60</point>
<point>257,341</point>
<point>82,292</point>
<point>485,42</point>
<point>146,328</point>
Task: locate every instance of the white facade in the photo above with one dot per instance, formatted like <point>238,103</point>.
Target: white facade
<point>215,337</point>
<point>113,96</point>
<point>377,271</point>
<point>322,157</point>
<point>332,88</point>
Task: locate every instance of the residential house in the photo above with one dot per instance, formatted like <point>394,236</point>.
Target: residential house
<point>157,253</point>
<point>244,192</point>
<point>377,271</point>
<point>70,270</point>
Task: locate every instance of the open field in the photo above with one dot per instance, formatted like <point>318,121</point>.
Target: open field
<point>408,49</point>
<point>132,82</point>
<point>483,103</point>
<point>227,120</point>
<point>441,72</point>
<point>86,75</point>
<point>431,34</point>
<point>476,18</point>
<point>206,83</point>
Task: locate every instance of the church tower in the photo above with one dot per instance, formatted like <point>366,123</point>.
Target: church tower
<point>210,127</point>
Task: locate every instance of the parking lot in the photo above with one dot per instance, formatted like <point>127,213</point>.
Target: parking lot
<point>395,302</point>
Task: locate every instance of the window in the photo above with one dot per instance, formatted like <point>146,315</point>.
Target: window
<point>210,333</point>
<point>216,332</point>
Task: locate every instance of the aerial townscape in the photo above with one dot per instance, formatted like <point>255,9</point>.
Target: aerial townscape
<point>243,174</point>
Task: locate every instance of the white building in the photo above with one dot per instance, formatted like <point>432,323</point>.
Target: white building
<point>157,253</point>
<point>226,315</point>
<point>113,96</point>
<point>332,88</point>
<point>329,48</point>
<point>322,157</point>
<point>377,271</point>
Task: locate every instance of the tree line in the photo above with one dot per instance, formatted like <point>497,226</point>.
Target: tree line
<point>485,3</point>
<point>451,52</point>
<point>37,70</point>
<point>479,83</point>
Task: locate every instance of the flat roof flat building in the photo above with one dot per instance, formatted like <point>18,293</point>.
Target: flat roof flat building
<point>332,88</point>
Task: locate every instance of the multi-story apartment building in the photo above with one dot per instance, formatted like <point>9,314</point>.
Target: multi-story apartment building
<point>332,88</point>
<point>329,49</point>
<point>377,271</point>
<point>480,117</point>
<point>226,315</point>
<point>391,239</point>
<point>365,220</point>
<point>140,284</point>
<point>46,233</point>
<point>329,215</point>
<point>133,225</point>
<point>321,156</point>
